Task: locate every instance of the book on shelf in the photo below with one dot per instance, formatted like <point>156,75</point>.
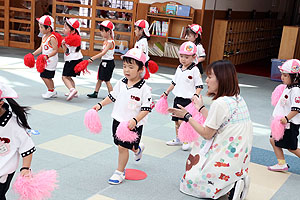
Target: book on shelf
<point>171,50</point>
<point>171,9</point>
<point>183,32</point>
<point>153,9</point>
<point>158,47</point>
<point>183,10</point>
<point>164,28</point>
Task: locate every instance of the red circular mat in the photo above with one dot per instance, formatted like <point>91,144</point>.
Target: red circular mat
<point>135,174</point>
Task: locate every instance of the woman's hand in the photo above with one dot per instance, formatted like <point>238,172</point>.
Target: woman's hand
<point>178,112</point>
<point>131,124</point>
<point>198,101</point>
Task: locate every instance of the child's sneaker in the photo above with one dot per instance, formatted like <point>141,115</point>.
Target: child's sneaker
<point>68,93</point>
<point>138,156</point>
<point>73,92</point>
<point>93,95</point>
<point>279,168</point>
<point>174,142</point>
<point>185,146</point>
<point>117,178</point>
<point>49,95</point>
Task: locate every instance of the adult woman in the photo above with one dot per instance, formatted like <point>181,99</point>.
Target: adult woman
<point>218,162</point>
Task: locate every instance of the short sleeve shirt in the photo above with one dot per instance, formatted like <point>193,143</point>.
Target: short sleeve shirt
<point>200,53</point>
<point>142,44</point>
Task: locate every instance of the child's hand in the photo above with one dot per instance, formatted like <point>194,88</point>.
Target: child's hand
<point>131,124</point>
<point>283,120</point>
<point>25,173</point>
<point>198,101</point>
<point>63,42</point>
<point>97,107</point>
<point>90,60</point>
<point>164,95</point>
<point>46,57</point>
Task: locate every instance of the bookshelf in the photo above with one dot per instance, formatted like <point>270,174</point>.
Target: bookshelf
<point>245,40</point>
<point>290,43</point>
<point>173,36</point>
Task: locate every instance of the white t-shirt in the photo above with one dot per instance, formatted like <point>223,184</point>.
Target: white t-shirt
<point>289,101</point>
<point>72,54</point>
<point>228,157</point>
<point>47,49</point>
<point>110,53</point>
<point>200,53</point>
<point>143,44</point>
<point>186,81</point>
<point>16,142</point>
<point>129,102</point>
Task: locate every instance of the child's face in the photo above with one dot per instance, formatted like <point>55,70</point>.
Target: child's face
<point>191,37</point>
<point>43,30</point>
<point>105,34</point>
<point>138,32</point>
<point>131,71</point>
<point>286,79</point>
<point>186,60</point>
<point>66,29</point>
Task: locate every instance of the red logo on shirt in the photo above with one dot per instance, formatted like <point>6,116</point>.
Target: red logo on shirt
<point>135,98</point>
<point>46,47</point>
<point>297,99</point>
<point>190,77</point>
<point>5,140</point>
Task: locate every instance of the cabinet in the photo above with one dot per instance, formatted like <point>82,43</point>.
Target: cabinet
<point>242,41</point>
<point>172,39</point>
<point>290,43</point>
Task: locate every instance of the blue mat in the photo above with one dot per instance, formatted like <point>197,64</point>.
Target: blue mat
<point>267,158</point>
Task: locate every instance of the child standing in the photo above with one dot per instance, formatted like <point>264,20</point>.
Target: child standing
<point>107,64</point>
<point>132,98</point>
<point>141,30</point>
<point>289,107</point>
<point>185,85</point>
<point>49,47</point>
<point>193,33</point>
<point>14,139</point>
<point>71,45</point>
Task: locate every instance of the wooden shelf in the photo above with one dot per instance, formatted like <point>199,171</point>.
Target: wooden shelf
<point>167,16</point>
<point>242,41</point>
<point>290,43</point>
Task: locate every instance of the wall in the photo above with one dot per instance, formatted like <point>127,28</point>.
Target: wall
<point>241,5</point>
<point>197,4</point>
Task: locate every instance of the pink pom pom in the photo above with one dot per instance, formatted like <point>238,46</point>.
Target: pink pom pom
<point>277,128</point>
<point>92,121</point>
<point>29,60</point>
<point>276,94</point>
<point>82,67</point>
<point>37,187</point>
<point>41,63</point>
<point>192,109</point>
<point>162,106</point>
<point>124,134</point>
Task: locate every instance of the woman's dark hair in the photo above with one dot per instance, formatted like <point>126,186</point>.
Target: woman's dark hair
<point>132,61</point>
<point>46,27</point>
<point>103,28</point>
<point>190,31</point>
<point>144,35</point>
<point>295,78</point>
<point>225,72</point>
<point>20,111</point>
<point>76,32</point>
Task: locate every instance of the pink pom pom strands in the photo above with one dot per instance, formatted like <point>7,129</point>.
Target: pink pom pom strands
<point>124,134</point>
<point>276,94</point>
<point>277,128</point>
<point>36,187</point>
<point>162,106</point>
<point>92,121</point>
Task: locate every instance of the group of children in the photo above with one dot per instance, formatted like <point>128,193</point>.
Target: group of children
<point>131,95</point>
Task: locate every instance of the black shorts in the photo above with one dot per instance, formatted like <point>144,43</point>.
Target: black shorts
<point>290,138</point>
<point>127,145</point>
<point>199,65</point>
<point>105,70</point>
<point>181,101</point>
<point>47,74</point>
<point>69,68</point>
<point>5,186</point>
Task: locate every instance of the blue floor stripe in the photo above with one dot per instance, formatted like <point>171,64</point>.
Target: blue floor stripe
<point>267,158</point>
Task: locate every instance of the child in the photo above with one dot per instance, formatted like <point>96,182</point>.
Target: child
<point>185,85</point>
<point>132,98</point>
<point>141,30</point>
<point>71,45</point>
<point>289,107</point>
<point>49,47</point>
<point>14,139</point>
<point>107,64</point>
<point>193,33</point>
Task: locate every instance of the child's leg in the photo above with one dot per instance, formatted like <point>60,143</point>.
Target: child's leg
<point>5,186</point>
<point>177,124</point>
<point>109,86</point>
<point>98,85</point>
<point>277,150</point>
<point>296,152</point>
<point>68,81</point>
<point>123,158</point>
<point>49,83</point>
<point>281,165</point>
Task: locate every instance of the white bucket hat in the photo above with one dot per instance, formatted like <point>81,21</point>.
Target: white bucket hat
<point>74,23</point>
<point>46,20</point>
<point>110,25</point>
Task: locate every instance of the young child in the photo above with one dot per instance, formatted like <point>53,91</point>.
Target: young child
<point>289,107</point>
<point>107,64</point>
<point>14,139</point>
<point>186,84</point>
<point>49,47</point>
<point>71,45</point>
<point>193,34</point>
<point>132,98</point>
<point>141,30</point>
